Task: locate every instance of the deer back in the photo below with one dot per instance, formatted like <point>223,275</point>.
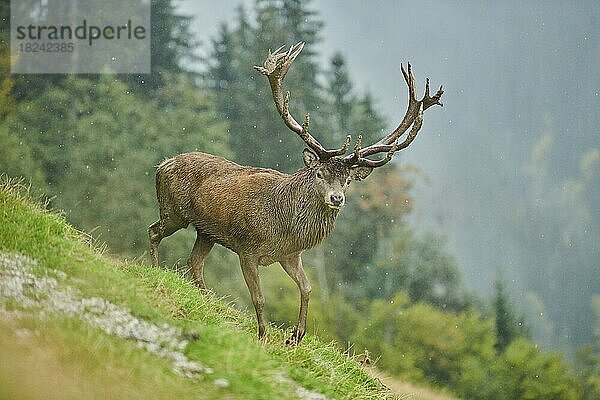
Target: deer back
<point>246,209</point>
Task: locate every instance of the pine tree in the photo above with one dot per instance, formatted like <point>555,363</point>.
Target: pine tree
<point>340,91</point>
<point>257,134</point>
<point>172,47</point>
<point>507,326</point>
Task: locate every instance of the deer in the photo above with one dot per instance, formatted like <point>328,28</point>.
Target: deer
<point>266,216</point>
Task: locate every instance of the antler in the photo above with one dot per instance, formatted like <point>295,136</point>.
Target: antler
<point>275,67</point>
<point>413,116</point>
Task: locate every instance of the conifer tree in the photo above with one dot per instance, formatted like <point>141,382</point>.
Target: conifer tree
<point>507,326</point>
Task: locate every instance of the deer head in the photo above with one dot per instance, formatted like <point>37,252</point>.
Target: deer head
<point>333,169</point>
<point>332,177</point>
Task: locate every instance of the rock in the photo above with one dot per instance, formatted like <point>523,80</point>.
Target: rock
<point>221,383</point>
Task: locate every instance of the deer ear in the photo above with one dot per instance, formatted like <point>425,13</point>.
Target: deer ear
<point>359,173</point>
<point>311,160</point>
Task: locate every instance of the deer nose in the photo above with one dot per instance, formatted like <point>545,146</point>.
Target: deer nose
<point>337,199</point>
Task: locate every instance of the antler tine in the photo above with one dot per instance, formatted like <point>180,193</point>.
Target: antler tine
<point>342,150</point>
<point>411,110</point>
<point>430,101</point>
<point>413,116</point>
<point>275,68</point>
<point>410,81</point>
<point>355,156</point>
<point>392,148</point>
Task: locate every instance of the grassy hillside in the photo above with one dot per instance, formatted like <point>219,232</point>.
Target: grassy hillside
<point>76,324</point>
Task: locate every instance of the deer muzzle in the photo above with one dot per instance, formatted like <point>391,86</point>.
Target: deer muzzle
<point>335,200</point>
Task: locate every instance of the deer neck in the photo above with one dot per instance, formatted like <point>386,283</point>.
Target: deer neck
<point>310,219</point>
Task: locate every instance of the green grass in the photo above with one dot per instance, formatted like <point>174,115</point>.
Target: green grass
<point>63,357</point>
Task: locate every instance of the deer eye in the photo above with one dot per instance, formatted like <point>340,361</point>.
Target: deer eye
<point>319,175</point>
<point>348,181</point>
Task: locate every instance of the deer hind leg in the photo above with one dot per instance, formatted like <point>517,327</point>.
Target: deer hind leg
<point>293,266</point>
<point>202,247</point>
<point>158,231</point>
<point>250,271</point>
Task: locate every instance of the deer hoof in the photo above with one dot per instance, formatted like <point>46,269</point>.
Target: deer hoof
<point>262,334</point>
<point>295,339</point>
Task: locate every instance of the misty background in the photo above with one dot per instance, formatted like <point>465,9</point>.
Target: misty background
<point>512,161</point>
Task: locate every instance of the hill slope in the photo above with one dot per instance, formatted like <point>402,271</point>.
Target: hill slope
<point>76,324</point>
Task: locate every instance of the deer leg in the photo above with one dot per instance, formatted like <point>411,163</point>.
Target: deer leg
<point>250,271</point>
<point>293,266</point>
<point>157,232</point>
<point>202,247</point>
<point>155,238</point>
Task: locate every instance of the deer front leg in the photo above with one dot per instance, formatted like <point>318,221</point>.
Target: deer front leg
<point>293,266</point>
<point>202,247</point>
<point>250,271</point>
<point>160,230</point>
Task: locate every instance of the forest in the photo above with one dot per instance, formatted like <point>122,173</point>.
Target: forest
<point>90,144</point>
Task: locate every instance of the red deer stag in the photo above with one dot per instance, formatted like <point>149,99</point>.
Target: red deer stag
<point>264,215</point>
